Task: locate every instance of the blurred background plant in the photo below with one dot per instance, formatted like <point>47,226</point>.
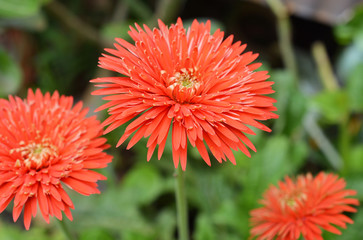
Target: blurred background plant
<point>54,45</point>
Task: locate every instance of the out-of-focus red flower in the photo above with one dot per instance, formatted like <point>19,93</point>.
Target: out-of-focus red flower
<point>45,141</point>
<point>303,207</point>
<point>190,81</point>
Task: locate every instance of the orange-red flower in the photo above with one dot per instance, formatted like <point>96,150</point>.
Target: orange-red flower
<point>44,142</point>
<point>303,207</point>
<point>190,81</point>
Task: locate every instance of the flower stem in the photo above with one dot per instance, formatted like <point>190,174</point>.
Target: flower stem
<point>325,69</point>
<point>67,232</point>
<point>181,204</point>
<point>284,36</point>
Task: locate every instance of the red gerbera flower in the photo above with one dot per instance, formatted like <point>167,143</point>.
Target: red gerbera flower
<point>303,207</point>
<point>190,81</point>
<point>45,141</point>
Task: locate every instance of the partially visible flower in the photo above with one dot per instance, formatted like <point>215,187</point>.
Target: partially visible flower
<point>190,81</point>
<point>303,207</point>
<point>45,141</point>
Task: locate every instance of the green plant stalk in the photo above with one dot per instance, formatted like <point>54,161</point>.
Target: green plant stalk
<point>67,232</point>
<point>325,69</point>
<point>181,205</point>
<point>284,36</point>
<point>286,47</point>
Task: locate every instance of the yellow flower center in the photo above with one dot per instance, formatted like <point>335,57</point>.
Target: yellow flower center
<point>185,78</point>
<point>184,84</point>
<point>292,199</point>
<point>35,155</point>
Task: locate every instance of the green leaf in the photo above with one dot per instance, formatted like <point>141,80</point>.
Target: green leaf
<point>288,103</point>
<point>142,185</point>
<point>295,111</point>
<point>273,159</point>
<point>355,182</point>
<point>10,74</point>
<point>20,8</point>
<point>298,152</point>
<point>37,232</point>
<point>347,31</point>
<point>348,60</point>
<point>96,234</point>
<point>166,222</point>
<point>332,104</point>
<point>268,166</point>
<point>355,163</point>
<point>277,158</point>
<point>109,211</point>
<point>355,88</point>
<point>204,228</point>
<point>228,214</point>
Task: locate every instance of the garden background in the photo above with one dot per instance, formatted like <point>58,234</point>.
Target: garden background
<point>318,75</point>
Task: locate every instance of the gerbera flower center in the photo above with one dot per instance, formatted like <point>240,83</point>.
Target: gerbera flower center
<point>293,198</point>
<point>184,84</point>
<point>35,155</point>
<point>186,78</point>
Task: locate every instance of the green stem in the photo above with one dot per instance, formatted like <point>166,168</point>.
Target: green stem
<point>67,232</point>
<point>284,35</point>
<point>181,204</point>
<point>324,67</point>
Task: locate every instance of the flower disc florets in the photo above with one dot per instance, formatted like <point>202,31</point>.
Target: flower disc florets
<point>183,85</point>
<point>35,155</point>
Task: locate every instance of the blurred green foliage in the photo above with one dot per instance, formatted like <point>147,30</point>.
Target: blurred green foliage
<point>20,8</point>
<point>10,74</point>
<point>137,201</point>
